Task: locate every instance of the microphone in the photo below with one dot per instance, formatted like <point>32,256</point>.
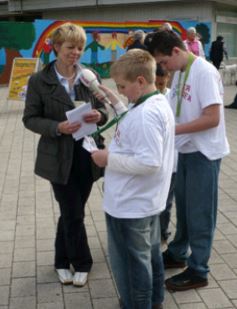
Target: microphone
<point>89,79</point>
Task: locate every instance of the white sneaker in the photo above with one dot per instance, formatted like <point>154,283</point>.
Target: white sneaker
<point>64,276</point>
<point>80,279</point>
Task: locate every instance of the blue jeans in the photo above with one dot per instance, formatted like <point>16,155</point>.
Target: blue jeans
<point>196,191</point>
<point>136,260</point>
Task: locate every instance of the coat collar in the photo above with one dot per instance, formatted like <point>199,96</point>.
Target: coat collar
<point>49,75</point>
<point>58,92</point>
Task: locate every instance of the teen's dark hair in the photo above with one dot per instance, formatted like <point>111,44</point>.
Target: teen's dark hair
<point>148,38</point>
<point>160,71</point>
<point>163,42</point>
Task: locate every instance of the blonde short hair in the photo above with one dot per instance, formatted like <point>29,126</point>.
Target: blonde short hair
<point>69,32</point>
<point>136,62</point>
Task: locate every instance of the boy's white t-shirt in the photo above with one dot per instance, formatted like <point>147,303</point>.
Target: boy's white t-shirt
<point>167,94</point>
<point>202,89</point>
<point>146,133</point>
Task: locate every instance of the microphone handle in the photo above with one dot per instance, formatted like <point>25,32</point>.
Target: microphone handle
<point>96,89</point>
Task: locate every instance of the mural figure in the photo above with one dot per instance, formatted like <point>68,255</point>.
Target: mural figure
<point>94,46</point>
<point>114,43</point>
<point>129,40</point>
<point>46,50</point>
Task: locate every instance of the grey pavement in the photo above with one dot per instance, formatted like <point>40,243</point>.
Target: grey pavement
<point>28,216</point>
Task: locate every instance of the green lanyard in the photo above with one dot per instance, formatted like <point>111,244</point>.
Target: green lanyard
<point>109,124</point>
<point>180,89</point>
<point>119,117</point>
<point>144,97</point>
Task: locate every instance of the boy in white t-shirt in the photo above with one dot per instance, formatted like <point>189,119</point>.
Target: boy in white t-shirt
<point>196,98</point>
<point>137,177</point>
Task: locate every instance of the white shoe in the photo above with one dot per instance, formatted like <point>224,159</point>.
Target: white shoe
<point>80,279</point>
<point>64,276</point>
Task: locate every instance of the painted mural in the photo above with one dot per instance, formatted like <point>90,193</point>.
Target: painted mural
<point>106,41</point>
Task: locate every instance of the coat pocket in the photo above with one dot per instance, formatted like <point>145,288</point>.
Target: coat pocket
<point>48,146</point>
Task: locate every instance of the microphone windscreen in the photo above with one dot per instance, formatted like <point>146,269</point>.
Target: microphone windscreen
<point>87,77</point>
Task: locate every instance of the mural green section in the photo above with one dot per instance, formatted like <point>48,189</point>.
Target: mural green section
<point>14,37</point>
<point>204,32</point>
<point>102,68</point>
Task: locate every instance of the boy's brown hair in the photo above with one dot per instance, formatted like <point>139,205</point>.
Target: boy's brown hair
<point>136,62</point>
<point>164,41</point>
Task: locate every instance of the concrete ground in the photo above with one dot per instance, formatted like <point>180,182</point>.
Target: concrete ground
<point>28,216</point>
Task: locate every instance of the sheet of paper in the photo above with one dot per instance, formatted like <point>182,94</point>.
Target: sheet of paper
<point>76,115</point>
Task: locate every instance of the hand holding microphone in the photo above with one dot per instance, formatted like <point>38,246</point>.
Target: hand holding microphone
<point>89,79</point>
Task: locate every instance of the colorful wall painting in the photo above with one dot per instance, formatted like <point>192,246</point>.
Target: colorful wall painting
<point>106,41</point>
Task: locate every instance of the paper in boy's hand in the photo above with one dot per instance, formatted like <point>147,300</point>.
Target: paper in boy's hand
<point>89,144</point>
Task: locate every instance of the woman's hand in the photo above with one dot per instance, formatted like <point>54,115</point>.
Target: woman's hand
<point>93,117</point>
<point>100,157</point>
<point>65,127</point>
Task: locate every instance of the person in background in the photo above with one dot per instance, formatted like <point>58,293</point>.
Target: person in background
<point>137,177</point>
<point>162,79</point>
<point>196,98</point>
<point>166,26</point>
<point>60,159</point>
<point>233,105</point>
<point>217,51</point>
<point>193,44</point>
<point>138,40</point>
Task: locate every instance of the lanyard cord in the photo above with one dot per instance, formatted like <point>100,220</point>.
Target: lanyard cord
<point>119,117</point>
<point>180,89</point>
<point>109,124</point>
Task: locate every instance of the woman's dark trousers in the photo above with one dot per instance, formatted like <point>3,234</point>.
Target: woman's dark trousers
<point>71,244</point>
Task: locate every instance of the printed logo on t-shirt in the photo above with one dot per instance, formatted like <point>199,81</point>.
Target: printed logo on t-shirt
<point>173,92</point>
<point>186,93</point>
<point>117,136</point>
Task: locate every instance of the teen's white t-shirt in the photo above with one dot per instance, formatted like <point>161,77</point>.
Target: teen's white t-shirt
<point>202,89</point>
<point>146,133</point>
<point>167,94</point>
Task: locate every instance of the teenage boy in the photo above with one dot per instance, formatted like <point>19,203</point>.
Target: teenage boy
<point>196,98</point>
<point>137,177</point>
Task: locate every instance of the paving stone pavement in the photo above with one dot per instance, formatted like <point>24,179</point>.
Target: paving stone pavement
<point>28,216</point>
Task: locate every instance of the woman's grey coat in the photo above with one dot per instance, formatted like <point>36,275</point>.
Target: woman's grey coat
<point>46,105</point>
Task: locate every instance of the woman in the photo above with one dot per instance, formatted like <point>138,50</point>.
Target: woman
<point>138,40</point>
<point>61,159</point>
<point>193,44</point>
